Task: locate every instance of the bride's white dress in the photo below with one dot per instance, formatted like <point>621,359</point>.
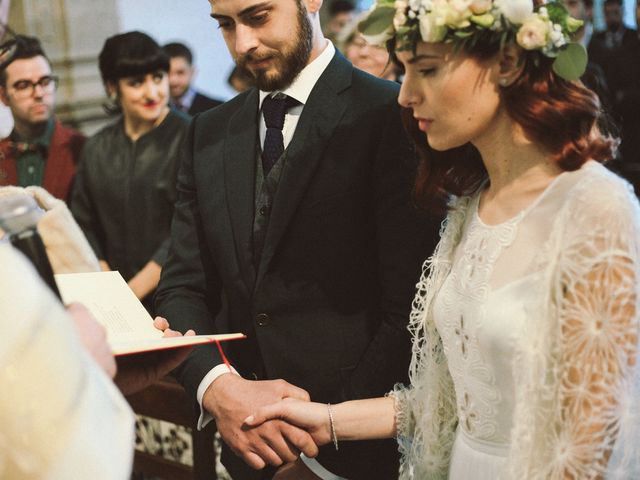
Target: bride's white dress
<point>505,310</point>
<point>477,312</point>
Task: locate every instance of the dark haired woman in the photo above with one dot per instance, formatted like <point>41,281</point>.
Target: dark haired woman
<point>526,321</point>
<point>125,186</point>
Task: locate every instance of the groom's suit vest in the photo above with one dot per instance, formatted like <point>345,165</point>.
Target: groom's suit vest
<point>265,193</point>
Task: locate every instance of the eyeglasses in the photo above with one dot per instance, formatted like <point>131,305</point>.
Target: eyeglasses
<point>26,88</point>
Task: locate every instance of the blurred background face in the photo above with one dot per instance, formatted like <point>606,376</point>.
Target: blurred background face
<point>613,16</point>
<point>180,76</point>
<point>372,59</point>
<point>338,22</point>
<point>144,98</point>
<point>29,105</point>
<point>576,9</point>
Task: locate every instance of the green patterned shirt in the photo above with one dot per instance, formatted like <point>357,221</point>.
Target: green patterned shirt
<point>31,156</point>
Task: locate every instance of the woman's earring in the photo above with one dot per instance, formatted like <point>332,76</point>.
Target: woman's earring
<point>503,82</point>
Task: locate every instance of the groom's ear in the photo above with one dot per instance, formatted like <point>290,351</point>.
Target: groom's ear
<point>510,64</point>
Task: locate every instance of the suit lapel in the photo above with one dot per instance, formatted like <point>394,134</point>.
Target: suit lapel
<point>239,178</point>
<point>320,117</point>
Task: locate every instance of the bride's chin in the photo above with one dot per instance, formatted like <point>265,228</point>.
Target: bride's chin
<point>440,144</point>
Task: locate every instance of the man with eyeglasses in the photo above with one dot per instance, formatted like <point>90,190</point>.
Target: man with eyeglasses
<point>39,151</point>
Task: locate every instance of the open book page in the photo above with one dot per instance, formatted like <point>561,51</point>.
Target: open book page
<point>129,326</point>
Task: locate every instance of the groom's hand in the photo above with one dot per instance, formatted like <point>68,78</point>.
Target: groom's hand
<point>230,399</point>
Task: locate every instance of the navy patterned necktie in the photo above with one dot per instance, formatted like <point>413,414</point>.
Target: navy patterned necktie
<point>273,111</point>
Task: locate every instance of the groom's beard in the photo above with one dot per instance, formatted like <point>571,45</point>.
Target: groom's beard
<point>285,65</point>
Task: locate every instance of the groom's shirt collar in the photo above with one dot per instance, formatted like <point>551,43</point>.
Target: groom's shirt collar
<point>301,87</point>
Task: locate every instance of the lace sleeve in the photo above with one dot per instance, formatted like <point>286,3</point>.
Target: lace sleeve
<point>426,412</point>
<point>596,296</point>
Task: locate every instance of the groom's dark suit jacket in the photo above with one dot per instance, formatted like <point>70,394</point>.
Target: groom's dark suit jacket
<point>326,306</point>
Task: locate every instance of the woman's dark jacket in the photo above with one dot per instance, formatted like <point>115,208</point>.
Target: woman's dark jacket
<point>124,193</point>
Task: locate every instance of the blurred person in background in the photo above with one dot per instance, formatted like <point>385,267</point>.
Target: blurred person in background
<point>39,151</point>
<point>240,79</point>
<point>607,44</point>
<point>582,10</point>
<point>341,13</point>
<point>373,59</point>
<point>125,188</point>
<point>594,77</point>
<point>181,73</point>
<point>624,77</point>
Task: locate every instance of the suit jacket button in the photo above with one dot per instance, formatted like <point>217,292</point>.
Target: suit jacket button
<point>263,211</point>
<point>262,319</point>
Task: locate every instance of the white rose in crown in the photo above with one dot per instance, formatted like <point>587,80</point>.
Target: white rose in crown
<point>533,33</point>
<point>451,13</point>
<point>431,30</point>
<point>460,5</point>
<point>478,7</point>
<point>438,13</point>
<point>458,13</point>
<point>399,19</point>
<point>516,11</point>
<point>401,4</point>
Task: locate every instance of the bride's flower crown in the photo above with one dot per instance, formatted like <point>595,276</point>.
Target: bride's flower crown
<point>546,29</point>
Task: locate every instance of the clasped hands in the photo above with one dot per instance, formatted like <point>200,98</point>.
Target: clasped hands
<point>268,422</point>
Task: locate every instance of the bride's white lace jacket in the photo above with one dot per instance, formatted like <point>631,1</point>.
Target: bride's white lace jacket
<point>577,412</point>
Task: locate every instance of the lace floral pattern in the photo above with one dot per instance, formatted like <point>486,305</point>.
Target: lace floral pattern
<point>578,388</point>
<point>462,308</point>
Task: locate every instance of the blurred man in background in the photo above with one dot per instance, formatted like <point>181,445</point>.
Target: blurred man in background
<point>582,10</point>
<point>341,12</point>
<point>181,73</point>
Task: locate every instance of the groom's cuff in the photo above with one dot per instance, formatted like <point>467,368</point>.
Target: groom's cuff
<point>313,465</point>
<point>205,417</point>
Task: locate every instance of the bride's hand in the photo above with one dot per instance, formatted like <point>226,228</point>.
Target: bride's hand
<point>310,416</point>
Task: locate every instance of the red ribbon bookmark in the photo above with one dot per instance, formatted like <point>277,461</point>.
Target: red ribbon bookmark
<point>224,357</point>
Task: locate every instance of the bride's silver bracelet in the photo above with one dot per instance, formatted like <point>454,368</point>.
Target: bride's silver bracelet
<point>334,437</point>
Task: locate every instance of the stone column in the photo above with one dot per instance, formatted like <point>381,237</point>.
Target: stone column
<point>72,33</point>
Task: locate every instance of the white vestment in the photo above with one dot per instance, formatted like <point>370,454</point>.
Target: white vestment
<point>61,417</point>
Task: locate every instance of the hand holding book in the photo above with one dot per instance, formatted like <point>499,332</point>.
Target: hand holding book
<point>138,372</point>
<point>130,329</point>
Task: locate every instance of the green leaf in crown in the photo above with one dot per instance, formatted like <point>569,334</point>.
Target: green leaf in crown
<point>571,62</point>
<point>378,21</point>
